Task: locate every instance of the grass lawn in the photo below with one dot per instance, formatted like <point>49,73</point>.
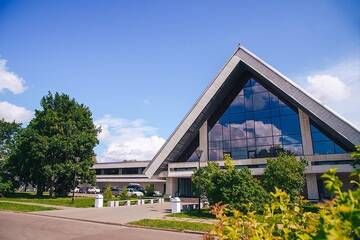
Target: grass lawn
<point>204,214</point>
<point>16,207</point>
<point>171,224</point>
<point>80,202</point>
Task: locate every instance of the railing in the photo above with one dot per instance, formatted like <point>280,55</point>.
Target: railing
<point>131,202</point>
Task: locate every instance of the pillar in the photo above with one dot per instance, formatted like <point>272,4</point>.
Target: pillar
<point>305,133</point>
<point>312,187</point>
<point>170,186</point>
<point>203,141</point>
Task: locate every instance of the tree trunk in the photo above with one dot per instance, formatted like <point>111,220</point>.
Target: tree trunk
<point>39,190</point>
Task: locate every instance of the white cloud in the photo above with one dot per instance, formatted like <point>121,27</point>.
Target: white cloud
<point>10,80</point>
<point>327,88</point>
<point>10,112</point>
<point>338,86</point>
<point>122,139</point>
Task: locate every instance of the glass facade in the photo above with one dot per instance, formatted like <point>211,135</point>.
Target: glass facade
<point>322,144</point>
<point>256,124</point>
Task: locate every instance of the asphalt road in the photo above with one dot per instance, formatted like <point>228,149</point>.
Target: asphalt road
<point>18,226</point>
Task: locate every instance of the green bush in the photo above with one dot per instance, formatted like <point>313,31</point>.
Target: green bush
<point>285,219</point>
<point>235,187</point>
<point>286,173</point>
<point>150,190</point>
<point>108,196</point>
<point>123,195</point>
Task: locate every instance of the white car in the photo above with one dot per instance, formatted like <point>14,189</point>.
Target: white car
<point>76,190</point>
<point>93,190</point>
<point>133,192</point>
<point>157,194</point>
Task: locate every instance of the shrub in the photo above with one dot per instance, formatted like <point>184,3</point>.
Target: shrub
<point>123,195</point>
<point>235,187</point>
<point>356,157</point>
<point>285,172</point>
<point>108,196</point>
<point>150,190</point>
<point>285,219</point>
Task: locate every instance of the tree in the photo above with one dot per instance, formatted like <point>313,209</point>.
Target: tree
<point>57,143</point>
<point>202,179</point>
<point>150,190</point>
<point>356,157</point>
<point>7,133</point>
<point>108,196</point>
<point>285,172</point>
<point>8,130</point>
<point>235,187</point>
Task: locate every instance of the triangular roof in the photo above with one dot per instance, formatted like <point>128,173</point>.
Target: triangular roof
<point>240,63</point>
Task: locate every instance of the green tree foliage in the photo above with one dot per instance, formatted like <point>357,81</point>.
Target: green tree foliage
<point>8,130</point>
<point>356,157</point>
<point>340,218</point>
<point>108,196</point>
<point>286,219</point>
<point>285,172</point>
<point>56,144</point>
<point>150,189</point>
<point>235,187</point>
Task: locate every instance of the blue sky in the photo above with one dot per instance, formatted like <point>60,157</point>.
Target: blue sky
<point>140,65</point>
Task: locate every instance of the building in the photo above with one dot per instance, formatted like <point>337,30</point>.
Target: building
<point>250,111</point>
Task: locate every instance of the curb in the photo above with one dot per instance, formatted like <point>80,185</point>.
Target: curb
<point>78,219</point>
<point>119,224</point>
<point>166,229</point>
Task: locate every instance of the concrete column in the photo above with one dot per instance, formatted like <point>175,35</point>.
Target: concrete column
<point>312,187</point>
<point>305,133</point>
<point>170,186</point>
<point>203,141</point>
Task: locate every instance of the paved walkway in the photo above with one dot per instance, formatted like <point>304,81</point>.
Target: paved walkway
<point>18,226</point>
<point>118,215</point>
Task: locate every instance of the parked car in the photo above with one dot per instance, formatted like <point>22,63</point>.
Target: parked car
<point>137,187</point>
<point>93,190</point>
<point>76,190</point>
<point>134,192</point>
<point>157,194</point>
<point>115,191</point>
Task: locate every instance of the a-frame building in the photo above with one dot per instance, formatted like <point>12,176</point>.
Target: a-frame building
<point>251,111</point>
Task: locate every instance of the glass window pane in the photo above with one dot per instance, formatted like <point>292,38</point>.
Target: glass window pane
<point>226,144</point>
<point>226,132</point>
<point>238,143</point>
<point>258,88</point>
<point>264,141</point>
<point>287,111</point>
<point>215,155</point>
<point>238,131</point>
<point>339,149</point>
<point>239,153</point>
<point>291,139</point>
<point>251,142</point>
<point>257,124</point>
<point>263,128</point>
<point>264,151</point>
<point>290,125</point>
<point>294,149</point>
<point>215,134</point>
<point>238,105</point>
<point>215,145</point>
<point>322,144</point>
<point>261,101</point>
